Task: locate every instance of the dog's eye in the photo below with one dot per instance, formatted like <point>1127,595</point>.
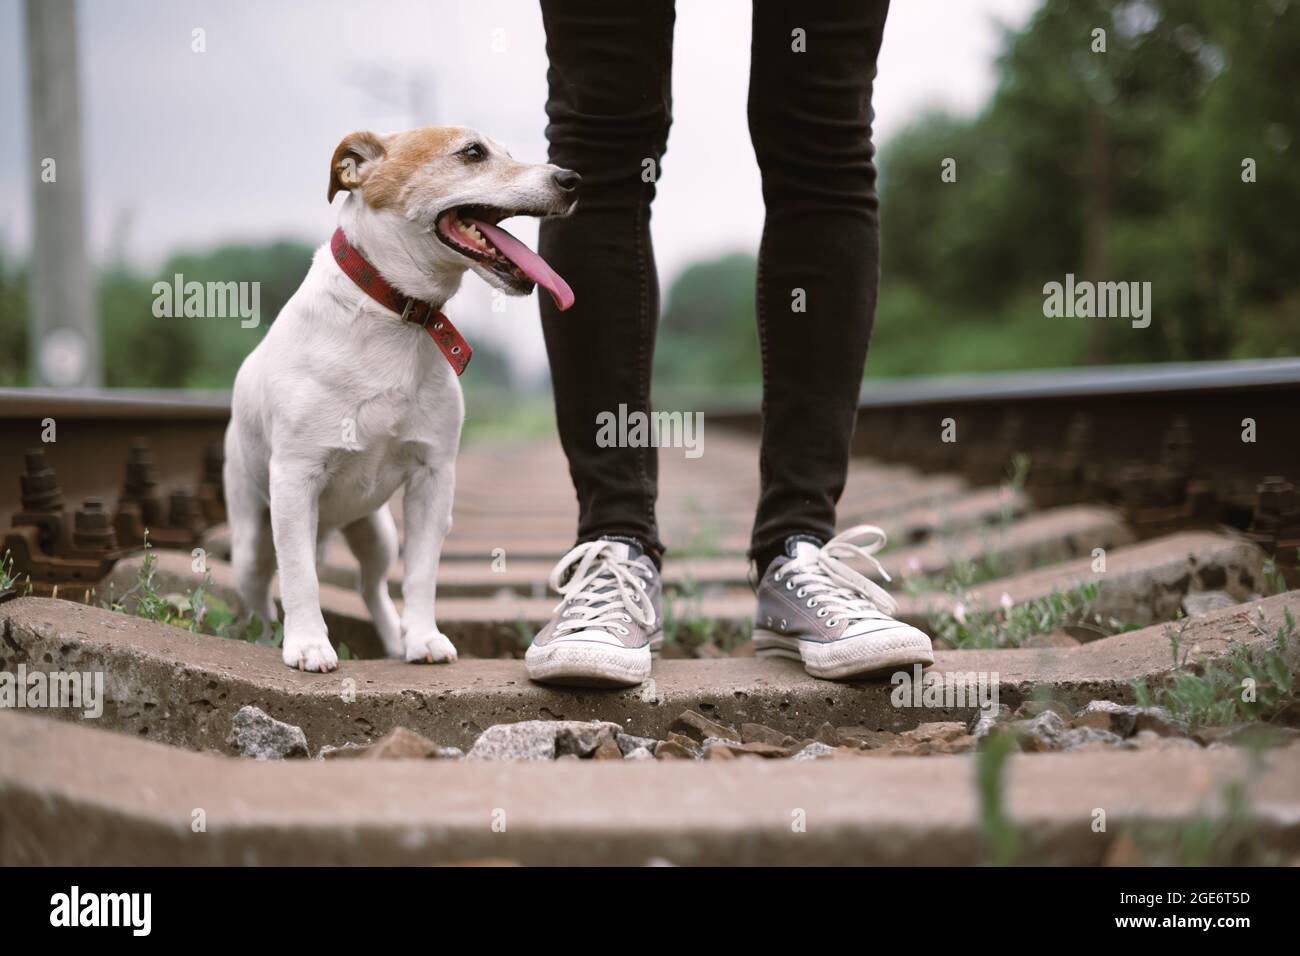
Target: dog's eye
<point>474,152</point>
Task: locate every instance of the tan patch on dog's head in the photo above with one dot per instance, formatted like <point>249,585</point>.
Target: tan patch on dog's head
<point>408,154</point>
<point>384,166</point>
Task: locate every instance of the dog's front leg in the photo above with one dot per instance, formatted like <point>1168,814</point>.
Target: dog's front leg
<point>426,515</point>
<point>295,502</point>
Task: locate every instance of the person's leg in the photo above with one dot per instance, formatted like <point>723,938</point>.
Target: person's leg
<point>609,109</point>
<point>818,269</point>
<point>819,263</point>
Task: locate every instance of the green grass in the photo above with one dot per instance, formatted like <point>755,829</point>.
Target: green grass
<point>1225,836</point>
<point>9,580</point>
<point>1238,688</point>
<point>523,632</point>
<point>1017,474</point>
<point>970,624</point>
<point>685,624</point>
<point>1001,840</point>
<point>1275,581</point>
<point>1228,837</point>
<point>197,610</point>
<point>966,573</point>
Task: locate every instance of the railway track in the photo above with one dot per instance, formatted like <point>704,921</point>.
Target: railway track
<point>1066,537</point>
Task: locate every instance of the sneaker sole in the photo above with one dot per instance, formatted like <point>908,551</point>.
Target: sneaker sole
<point>588,664</point>
<point>847,658</point>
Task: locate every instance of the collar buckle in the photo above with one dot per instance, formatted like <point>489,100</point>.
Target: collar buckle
<point>416,311</point>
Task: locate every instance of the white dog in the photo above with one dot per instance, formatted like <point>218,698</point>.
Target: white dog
<point>345,400</point>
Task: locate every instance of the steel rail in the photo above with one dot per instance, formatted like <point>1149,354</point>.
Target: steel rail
<point>1149,436</point>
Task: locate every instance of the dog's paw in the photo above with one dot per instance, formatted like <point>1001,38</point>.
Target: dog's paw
<point>308,651</point>
<point>429,647</point>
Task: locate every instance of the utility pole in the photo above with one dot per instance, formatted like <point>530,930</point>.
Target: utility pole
<point>63,327</point>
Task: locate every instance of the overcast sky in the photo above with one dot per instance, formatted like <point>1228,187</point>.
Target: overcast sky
<point>188,150</point>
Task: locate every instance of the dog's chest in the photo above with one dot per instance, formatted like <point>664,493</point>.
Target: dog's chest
<point>361,480</point>
<point>385,439</point>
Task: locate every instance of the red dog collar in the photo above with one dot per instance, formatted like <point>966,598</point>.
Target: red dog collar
<point>444,334</point>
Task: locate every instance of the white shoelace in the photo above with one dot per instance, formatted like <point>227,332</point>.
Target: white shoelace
<point>833,587</point>
<point>604,590</point>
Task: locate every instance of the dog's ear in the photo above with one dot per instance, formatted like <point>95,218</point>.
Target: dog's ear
<point>347,170</point>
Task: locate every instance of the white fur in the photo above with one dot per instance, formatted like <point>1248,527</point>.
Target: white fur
<point>342,404</point>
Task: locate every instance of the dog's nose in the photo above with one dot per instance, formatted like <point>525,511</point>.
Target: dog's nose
<point>567,179</point>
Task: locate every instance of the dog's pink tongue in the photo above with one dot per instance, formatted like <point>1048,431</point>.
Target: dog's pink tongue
<point>529,262</point>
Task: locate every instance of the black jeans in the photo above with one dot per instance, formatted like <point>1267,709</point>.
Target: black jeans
<point>609,110</point>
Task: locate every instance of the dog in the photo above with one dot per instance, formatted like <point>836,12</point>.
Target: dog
<point>344,401</point>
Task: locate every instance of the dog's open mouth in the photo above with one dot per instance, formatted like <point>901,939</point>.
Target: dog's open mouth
<point>473,232</point>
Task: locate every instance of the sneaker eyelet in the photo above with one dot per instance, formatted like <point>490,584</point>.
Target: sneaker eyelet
<point>821,612</point>
<point>627,619</point>
<point>779,578</point>
<point>789,585</point>
<point>832,623</point>
<point>801,592</point>
<point>812,603</point>
<point>624,631</point>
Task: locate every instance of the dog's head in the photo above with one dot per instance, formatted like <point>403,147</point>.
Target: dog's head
<point>458,184</point>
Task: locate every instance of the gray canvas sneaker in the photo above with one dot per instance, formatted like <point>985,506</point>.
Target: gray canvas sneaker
<point>604,631</point>
<point>814,607</point>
